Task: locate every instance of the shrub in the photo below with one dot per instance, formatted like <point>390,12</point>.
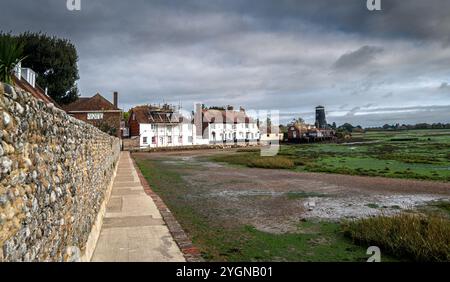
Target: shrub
<point>413,236</point>
<point>272,162</point>
<point>248,150</point>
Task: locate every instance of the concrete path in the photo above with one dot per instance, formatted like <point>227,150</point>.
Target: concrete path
<point>133,229</point>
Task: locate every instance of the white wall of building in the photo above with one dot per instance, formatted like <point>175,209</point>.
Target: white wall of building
<point>166,135</point>
<point>218,132</point>
<point>184,134</point>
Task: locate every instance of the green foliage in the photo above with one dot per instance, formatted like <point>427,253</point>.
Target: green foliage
<point>255,160</point>
<point>55,62</point>
<point>346,127</point>
<point>417,237</point>
<point>126,115</point>
<point>11,54</point>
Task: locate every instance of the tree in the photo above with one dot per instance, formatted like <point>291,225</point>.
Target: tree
<point>347,127</point>
<point>298,120</point>
<point>55,61</point>
<point>126,115</point>
<point>11,54</point>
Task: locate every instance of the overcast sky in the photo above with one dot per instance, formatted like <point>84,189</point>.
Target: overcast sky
<point>366,68</point>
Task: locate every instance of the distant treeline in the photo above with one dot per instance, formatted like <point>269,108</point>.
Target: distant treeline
<point>410,126</point>
<point>349,128</point>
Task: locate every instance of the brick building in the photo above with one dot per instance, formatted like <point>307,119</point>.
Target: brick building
<point>97,111</point>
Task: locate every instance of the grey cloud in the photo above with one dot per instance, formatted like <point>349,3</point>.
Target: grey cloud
<point>445,86</point>
<point>261,54</point>
<point>353,111</point>
<point>393,115</point>
<point>357,58</point>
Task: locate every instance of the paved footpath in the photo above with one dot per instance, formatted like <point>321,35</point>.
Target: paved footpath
<point>133,229</point>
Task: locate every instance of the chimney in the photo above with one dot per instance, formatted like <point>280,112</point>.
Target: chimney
<point>116,99</point>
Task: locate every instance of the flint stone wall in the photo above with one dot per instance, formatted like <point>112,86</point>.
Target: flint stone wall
<point>54,174</point>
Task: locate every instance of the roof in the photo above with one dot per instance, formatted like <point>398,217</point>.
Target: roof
<point>220,116</point>
<point>87,104</point>
<point>153,114</point>
<point>37,92</point>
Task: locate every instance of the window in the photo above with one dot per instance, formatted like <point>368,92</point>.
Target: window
<point>161,140</point>
<point>180,139</point>
<point>154,127</point>
<point>94,116</point>
<point>190,139</point>
<point>144,140</point>
<point>153,140</point>
<point>169,139</point>
<point>246,125</point>
<point>213,126</point>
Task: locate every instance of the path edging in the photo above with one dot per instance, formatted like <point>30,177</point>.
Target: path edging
<point>190,252</point>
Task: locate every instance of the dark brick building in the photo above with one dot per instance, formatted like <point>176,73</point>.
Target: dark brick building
<point>97,111</point>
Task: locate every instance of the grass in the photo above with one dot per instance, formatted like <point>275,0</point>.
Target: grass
<point>414,236</point>
<point>424,156</point>
<point>255,160</point>
<point>219,241</point>
<point>407,236</point>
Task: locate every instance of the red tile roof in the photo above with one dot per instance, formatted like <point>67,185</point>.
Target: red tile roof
<point>37,92</point>
<point>218,116</point>
<point>152,114</point>
<point>94,103</point>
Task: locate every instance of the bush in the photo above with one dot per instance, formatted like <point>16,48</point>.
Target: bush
<point>272,162</point>
<point>255,160</point>
<point>248,150</point>
<point>413,236</point>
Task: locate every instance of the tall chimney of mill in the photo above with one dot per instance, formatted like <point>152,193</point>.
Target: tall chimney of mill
<point>116,99</point>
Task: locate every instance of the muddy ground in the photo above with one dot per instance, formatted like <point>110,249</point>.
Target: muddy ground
<point>277,200</point>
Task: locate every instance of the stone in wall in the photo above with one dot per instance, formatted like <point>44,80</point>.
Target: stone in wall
<point>54,173</point>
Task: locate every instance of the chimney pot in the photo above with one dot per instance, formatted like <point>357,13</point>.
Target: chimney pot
<point>116,99</point>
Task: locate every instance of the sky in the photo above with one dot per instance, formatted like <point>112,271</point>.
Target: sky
<point>366,67</point>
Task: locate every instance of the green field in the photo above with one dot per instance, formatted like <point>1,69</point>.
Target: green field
<point>414,154</point>
<point>190,185</point>
<point>220,241</point>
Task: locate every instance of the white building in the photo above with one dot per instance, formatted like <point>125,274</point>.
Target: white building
<point>227,126</point>
<point>166,127</point>
<point>160,127</point>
